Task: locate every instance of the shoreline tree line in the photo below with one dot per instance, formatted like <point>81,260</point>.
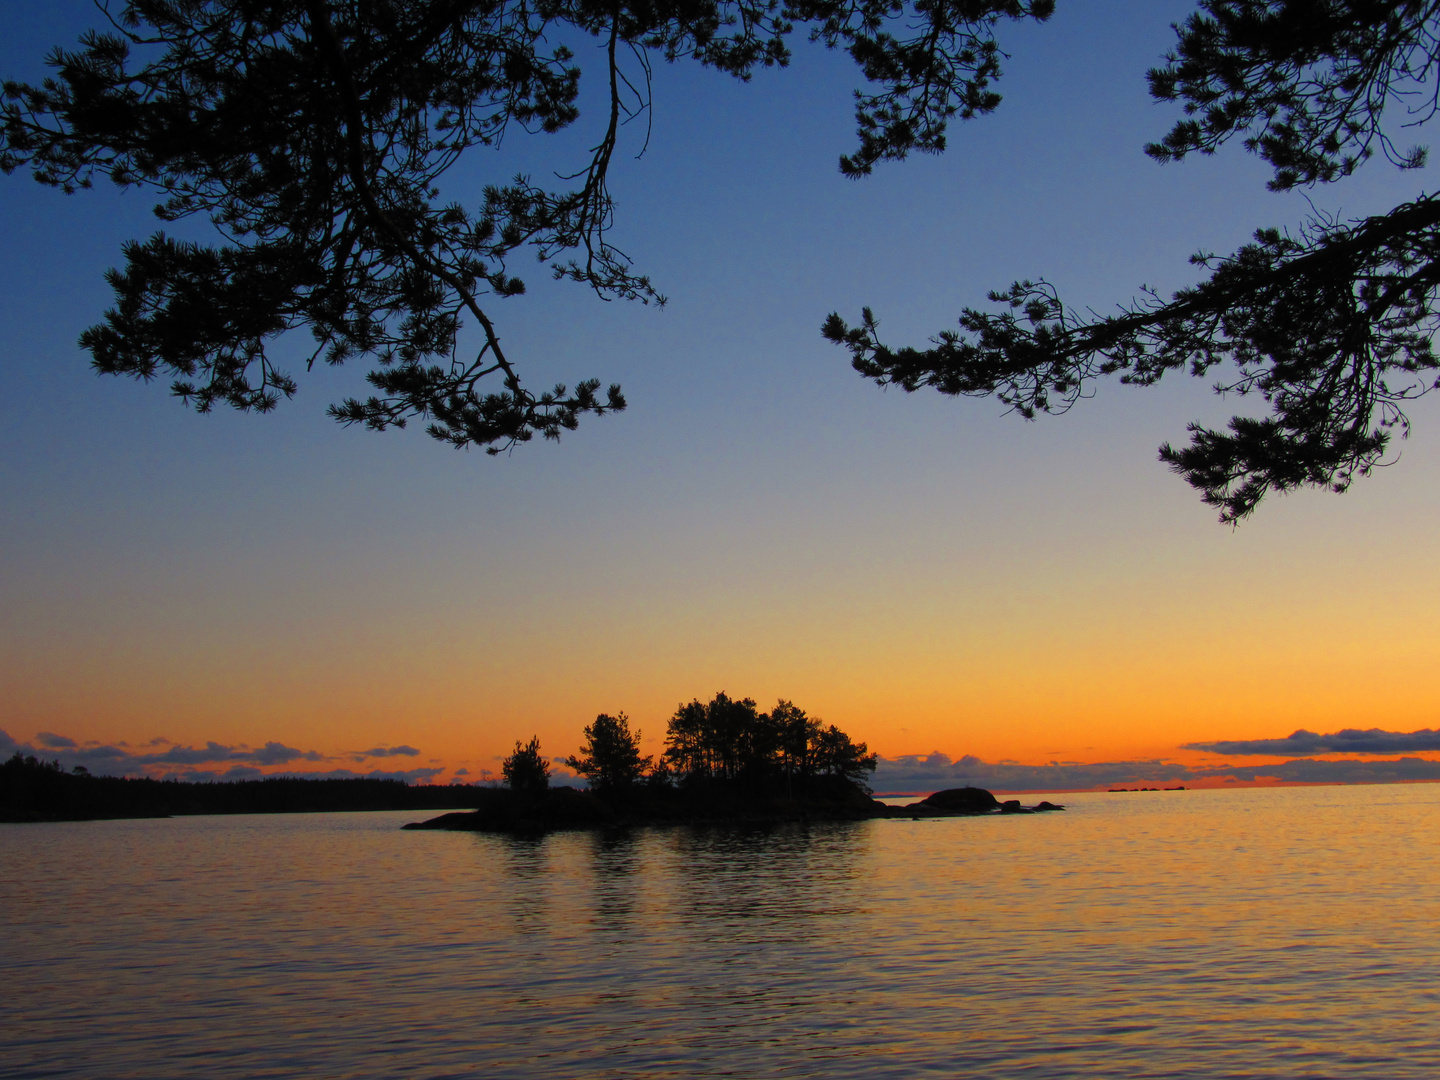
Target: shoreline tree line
<point>33,790</point>
<point>723,743</point>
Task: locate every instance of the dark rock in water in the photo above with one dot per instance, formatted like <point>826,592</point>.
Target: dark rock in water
<point>965,800</point>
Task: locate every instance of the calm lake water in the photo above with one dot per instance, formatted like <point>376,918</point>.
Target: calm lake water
<point>1260,933</point>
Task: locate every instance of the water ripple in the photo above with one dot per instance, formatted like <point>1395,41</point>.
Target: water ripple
<point>1283,933</point>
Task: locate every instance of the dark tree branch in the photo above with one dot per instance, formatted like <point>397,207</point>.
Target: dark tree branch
<point>1332,328</point>
<point>314,135</point>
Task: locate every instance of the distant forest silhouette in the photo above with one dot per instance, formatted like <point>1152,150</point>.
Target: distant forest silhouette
<point>36,790</point>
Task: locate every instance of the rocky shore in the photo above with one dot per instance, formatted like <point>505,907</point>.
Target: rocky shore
<point>506,811</point>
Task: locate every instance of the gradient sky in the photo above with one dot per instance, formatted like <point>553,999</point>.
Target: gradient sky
<point>927,573</point>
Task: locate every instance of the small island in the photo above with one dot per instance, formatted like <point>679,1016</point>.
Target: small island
<point>724,762</point>
<point>507,811</point>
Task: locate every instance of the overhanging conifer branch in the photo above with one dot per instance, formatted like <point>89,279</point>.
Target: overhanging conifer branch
<point>1331,328</point>
<point>315,134</point>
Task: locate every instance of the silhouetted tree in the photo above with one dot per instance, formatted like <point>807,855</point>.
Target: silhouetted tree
<point>713,741</point>
<point>610,759</point>
<point>797,736</point>
<point>732,742</point>
<point>686,745</point>
<point>314,135</point>
<point>731,735</point>
<point>526,769</point>
<point>1331,326</point>
<point>836,755</point>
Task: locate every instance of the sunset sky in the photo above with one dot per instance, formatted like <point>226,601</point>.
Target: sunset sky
<point>929,574</point>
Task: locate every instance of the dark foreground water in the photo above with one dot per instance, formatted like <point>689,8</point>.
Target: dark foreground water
<point>1175,934</point>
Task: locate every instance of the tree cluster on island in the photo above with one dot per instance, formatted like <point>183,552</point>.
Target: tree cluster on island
<point>315,135</point>
<point>724,761</point>
<point>722,744</point>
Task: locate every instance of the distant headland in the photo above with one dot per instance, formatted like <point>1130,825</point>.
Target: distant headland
<point>32,790</point>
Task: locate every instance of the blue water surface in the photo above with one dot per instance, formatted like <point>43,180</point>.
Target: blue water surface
<point>1282,932</point>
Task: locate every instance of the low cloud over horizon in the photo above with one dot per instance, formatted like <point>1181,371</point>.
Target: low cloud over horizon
<point>383,751</point>
<point>173,761</point>
<point>1349,741</point>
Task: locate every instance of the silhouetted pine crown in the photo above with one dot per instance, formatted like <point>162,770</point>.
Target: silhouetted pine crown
<point>314,135</point>
<point>1331,327</point>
